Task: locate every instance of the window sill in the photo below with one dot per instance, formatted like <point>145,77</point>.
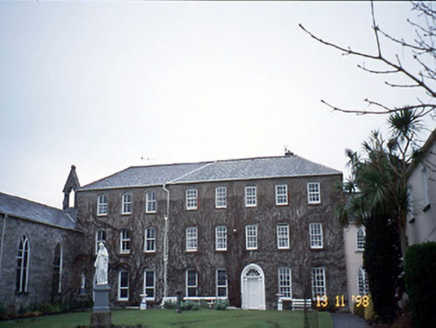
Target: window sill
<point>150,252</point>
<point>359,250</point>
<point>191,250</point>
<point>221,250</point>
<point>317,248</point>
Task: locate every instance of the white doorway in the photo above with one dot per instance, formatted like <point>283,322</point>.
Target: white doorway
<point>253,288</point>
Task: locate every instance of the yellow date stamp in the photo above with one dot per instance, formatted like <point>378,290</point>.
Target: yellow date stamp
<point>339,301</point>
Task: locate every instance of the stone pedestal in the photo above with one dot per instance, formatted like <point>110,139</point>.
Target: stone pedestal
<point>101,312</point>
<point>143,305</point>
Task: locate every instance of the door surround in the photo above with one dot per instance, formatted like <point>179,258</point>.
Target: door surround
<point>253,288</point>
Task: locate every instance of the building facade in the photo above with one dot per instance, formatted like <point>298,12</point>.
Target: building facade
<point>248,230</point>
<point>39,250</point>
<point>421,225</point>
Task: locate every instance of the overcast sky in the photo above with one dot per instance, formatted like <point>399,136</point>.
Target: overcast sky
<point>107,85</point>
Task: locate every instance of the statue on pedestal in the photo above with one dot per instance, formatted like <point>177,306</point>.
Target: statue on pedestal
<point>101,314</point>
<point>101,264</point>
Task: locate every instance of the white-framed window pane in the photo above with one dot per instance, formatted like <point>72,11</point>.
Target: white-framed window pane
<point>221,283</point>
<point>191,199</point>
<point>125,241</point>
<point>281,194</point>
<point>150,284</point>
<point>191,239</point>
<point>362,282</point>
<point>360,239</point>
<point>100,237</point>
<point>126,204</point>
<point>22,277</point>
<point>150,202</point>
<point>314,193</point>
<point>251,236</point>
<point>191,283</point>
<point>102,205</point>
<point>318,282</point>
<point>220,197</point>
<point>315,231</point>
<point>285,283</point>
<point>123,286</point>
<point>250,196</point>
<point>150,240</point>
<point>221,238</point>
<point>283,236</point>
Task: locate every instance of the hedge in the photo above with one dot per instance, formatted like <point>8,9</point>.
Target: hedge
<point>420,279</point>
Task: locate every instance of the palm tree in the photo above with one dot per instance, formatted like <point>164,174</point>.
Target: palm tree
<point>381,203</point>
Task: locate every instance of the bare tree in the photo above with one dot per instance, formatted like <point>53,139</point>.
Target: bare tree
<point>418,73</point>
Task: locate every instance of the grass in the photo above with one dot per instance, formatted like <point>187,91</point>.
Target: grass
<point>169,318</point>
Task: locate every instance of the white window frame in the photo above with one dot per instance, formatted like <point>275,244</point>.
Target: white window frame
<point>424,176</point>
<point>221,197</point>
<point>221,287</point>
<point>191,199</point>
<point>360,240</point>
<point>283,236</point>
<point>318,282</point>
<point>102,205</point>
<point>125,241</point>
<point>150,287</point>
<point>285,282</point>
<point>126,203</point>
<point>316,236</point>
<point>251,237</point>
<point>362,281</point>
<point>23,256</point>
<point>221,238</point>
<point>122,288</point>
<point>191,239</point>
<point>150,202</point>
<point>191,287</point>
<point>314,193</point>
<point>100,237</point>
<point>282,195</point>
<point>250,196</point>
<point>150,240</point>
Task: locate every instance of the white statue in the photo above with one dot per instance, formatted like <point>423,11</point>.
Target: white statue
<point>101,264</point>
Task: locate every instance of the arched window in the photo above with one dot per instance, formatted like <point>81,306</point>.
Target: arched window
<point>362,282</point>
<point>23,265</point>
<point>191,283</point>
<point>57,269</point>
<point>360,239</point>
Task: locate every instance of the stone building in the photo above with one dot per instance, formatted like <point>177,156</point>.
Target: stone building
<point>39,248</point>
<point>243,230</point>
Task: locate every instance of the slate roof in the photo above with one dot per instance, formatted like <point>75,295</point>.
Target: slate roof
<point>224,170</point>
<point>25,209</point>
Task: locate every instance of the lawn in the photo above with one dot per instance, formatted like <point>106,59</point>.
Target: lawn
<point>189,319</point>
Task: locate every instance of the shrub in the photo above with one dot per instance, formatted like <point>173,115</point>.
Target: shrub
<point>420,277</point>
<point>189,305</point>
<point>221,305</point>
<point>169,305</point>
<point>359,310</point>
